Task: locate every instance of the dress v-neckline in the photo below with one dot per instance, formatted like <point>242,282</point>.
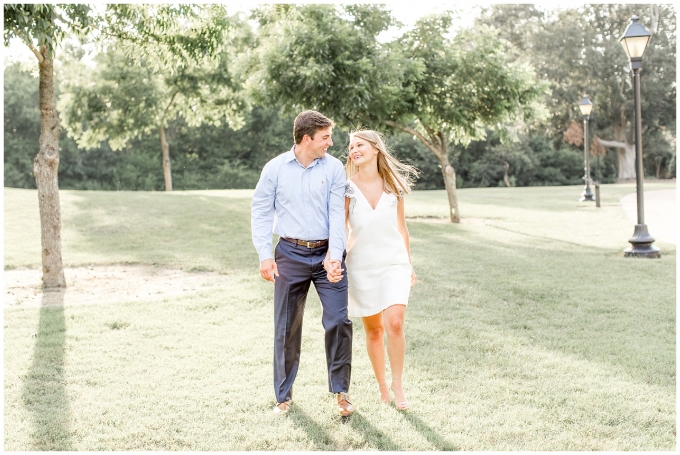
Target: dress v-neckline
<point>366,199</point>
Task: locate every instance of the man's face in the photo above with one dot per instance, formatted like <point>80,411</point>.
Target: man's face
<point>322,140</point>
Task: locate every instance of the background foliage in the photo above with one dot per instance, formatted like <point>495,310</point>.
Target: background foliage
<point>221,155</point>
<point>578,52</point>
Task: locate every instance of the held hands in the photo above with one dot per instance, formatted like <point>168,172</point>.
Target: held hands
<point>268,269</point>
<point>333,269</point>
<point>414,278</point>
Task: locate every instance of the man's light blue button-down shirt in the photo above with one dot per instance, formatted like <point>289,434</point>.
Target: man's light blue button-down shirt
<point>300,203</point>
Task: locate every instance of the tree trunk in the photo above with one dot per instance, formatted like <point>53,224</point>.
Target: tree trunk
<point>626,157</point>
<point>626,154</point>
<point>506,167</point>
<point>437,144</point>
<point>449,175</point>
<point>45,170</point>
<point>166,160</point>
<point>654,14</point>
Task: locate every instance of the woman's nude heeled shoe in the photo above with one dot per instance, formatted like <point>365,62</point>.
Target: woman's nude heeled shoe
<point>380,394</point>
<point>401,405</point>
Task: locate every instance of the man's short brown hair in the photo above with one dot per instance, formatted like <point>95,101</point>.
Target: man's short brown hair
<point>309,122</point>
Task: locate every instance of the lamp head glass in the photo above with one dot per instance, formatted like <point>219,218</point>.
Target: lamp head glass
<point>586,106</point>
<point>635,39</point>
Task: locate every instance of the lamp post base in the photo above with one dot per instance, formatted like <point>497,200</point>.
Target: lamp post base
<point>641,244</point>
<point>587,195</point>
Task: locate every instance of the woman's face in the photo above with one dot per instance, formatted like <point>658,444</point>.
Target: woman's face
<point>361,152</point>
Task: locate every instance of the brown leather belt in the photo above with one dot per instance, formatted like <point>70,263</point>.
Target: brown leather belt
<point>307,243</point>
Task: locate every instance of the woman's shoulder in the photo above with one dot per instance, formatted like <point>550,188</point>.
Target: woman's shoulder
<point>350,190</point>
<point>392,198</point>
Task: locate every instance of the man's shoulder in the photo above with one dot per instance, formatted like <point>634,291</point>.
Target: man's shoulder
<point>277,161</point>
<point>333,161</point>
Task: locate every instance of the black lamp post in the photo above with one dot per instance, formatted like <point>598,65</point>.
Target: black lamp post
<point>634,42</point>
<point>586,107</point>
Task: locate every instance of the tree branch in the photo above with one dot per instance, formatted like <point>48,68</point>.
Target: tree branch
<point>169,104</point>
<point>654,12</point>
<point>616,144</point>
<point>431,133</point>
<point>30,45</point>
<point>422,138</point>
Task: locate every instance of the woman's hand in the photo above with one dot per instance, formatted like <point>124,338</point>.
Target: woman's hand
<point>333,278</point>
<point>414,278</point>
<point>333,270</point>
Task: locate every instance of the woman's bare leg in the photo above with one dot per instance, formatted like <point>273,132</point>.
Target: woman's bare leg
<point>396,346</point>
<point>375,330</point>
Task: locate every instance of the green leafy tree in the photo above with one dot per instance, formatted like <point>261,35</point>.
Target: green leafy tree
<point>467,85</point>
<point>327,58</point>
<point>159,62</point>
<point>41,27</point>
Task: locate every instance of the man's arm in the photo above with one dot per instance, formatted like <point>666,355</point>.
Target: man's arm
<point>262,221</point>
<point>336,213</point>
<point>334,270</point>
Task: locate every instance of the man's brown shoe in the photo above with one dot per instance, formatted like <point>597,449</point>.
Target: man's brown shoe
<point>344,406</point>
<point>282,408</point>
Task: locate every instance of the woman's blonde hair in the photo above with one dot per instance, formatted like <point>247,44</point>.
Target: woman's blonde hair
<point>399,177</point>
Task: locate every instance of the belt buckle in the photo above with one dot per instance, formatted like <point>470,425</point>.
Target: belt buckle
<point>307,243</point>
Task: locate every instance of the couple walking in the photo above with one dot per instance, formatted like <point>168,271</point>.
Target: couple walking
<point>309,200</point>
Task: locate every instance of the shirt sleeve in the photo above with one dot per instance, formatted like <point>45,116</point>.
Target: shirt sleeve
<point>262,213</point>
<point>336,212</point>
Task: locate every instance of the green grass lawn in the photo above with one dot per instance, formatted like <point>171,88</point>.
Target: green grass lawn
<point>528,330</point>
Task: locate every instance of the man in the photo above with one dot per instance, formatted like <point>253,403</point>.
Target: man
<point>304,188</point>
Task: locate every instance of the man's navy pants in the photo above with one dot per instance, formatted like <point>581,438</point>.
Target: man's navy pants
<point>298,267</point>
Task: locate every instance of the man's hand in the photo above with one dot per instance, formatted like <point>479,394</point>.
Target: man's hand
<point>334,271</point>
<point>268,269</point>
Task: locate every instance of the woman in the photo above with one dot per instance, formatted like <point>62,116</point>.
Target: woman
<point>378,259</point>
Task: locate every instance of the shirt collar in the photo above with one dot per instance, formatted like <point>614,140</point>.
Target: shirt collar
<point>290,156</point>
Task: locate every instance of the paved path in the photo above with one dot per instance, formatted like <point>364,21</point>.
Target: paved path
<point>660,214</point>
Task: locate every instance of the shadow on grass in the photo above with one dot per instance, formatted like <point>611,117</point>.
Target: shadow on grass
<point>428,433</point>
<point>44,393</point>
<point>373,435</point>
<point>323,440</point>
<point>317,433</point>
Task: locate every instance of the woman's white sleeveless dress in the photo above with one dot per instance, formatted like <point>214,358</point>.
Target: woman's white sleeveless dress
<point>378,269</point>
